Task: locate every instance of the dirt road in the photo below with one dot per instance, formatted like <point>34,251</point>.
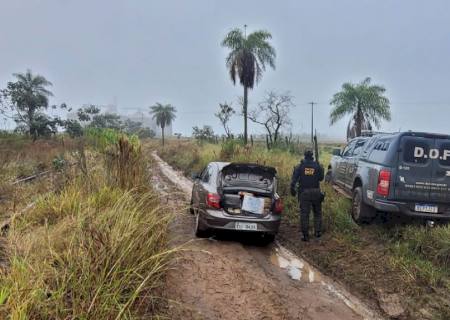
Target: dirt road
<point>231,278</point>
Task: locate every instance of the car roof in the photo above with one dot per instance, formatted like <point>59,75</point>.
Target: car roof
<point>219,164</point>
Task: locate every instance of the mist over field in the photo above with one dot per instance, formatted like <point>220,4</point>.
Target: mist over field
<point>134,53</point>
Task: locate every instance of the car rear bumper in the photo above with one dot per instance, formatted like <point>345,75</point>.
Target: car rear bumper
<point>219,219</point>
<point>404,209</point>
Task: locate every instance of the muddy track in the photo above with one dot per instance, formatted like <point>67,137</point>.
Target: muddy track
<point>231,277</point>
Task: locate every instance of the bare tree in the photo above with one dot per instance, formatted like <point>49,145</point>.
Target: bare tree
<point>273,114</point>
<point>224,114</point>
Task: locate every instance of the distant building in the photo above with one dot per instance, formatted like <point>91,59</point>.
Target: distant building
<point>139,116</point>
<point>147,121</point>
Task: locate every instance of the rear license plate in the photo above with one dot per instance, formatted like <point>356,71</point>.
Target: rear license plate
<point>428,208</point>
<point>246,226</point>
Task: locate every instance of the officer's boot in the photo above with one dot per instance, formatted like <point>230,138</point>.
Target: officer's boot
<point>305,237</point>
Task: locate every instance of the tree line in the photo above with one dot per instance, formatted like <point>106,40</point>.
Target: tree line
<point>27,100</point>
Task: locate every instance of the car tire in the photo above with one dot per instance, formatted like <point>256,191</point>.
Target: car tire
<point>361,212</point>
<point>200,230</point>
<point>267,239</point>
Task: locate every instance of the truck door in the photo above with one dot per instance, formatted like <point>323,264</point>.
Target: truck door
<point>352,162</point>
<point>341,169</point>
<point>414,171</point>
<point>440,181</point>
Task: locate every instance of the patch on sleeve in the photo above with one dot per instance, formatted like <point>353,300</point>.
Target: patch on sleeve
<point>309,171</point>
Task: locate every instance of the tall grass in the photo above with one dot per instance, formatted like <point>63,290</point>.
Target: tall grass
<point>95,250</point>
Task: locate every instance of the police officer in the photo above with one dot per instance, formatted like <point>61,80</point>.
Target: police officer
<point>308,175</point>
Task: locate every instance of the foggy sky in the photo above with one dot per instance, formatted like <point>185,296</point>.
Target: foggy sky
<point>141,52</point>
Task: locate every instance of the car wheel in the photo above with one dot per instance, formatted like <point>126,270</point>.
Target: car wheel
<point>361,212</point>
<point>200,230</point>
<point>267,239</point>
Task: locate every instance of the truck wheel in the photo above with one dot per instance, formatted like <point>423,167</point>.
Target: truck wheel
<point>328,177</point>
<point>361,212</point>
<point>200,231</point>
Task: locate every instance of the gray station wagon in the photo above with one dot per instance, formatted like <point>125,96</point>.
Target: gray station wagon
<point>236,196</point>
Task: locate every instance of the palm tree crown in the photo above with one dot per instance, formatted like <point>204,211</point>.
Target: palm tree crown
<point>248,56</point>
<point>364,101</point>
<point>31,91</point>
<point>164,115</point>
<point>247,60</point>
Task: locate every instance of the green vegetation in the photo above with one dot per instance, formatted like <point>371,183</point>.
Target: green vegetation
<point>247,60</point>
<point>365,102</point>
<point>96,247</point>
<point>411,260</point>
<point>25,100</point>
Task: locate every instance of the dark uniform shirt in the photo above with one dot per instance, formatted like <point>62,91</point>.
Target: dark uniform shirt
<point>308,175</point>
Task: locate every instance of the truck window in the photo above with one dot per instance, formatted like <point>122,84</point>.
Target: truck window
<point>416,151</point>
<point>348,149</point>
<point>359,146</point>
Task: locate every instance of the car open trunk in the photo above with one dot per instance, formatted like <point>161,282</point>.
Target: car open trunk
<point>423,168</point>
<point>248,189</point>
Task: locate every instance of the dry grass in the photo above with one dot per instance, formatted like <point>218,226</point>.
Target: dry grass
<point>94,250</point>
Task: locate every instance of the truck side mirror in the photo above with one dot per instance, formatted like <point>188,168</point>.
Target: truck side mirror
<point>336,152</point>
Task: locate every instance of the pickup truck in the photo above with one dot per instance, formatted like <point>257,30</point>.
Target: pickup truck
<point>405,173</point>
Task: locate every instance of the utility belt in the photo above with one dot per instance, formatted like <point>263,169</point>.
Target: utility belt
<point>313,192</point>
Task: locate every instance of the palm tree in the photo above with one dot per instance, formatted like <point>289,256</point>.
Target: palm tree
<point>29,94</point>
<point>364,101</point>
<point>247,60</point>
<point>164,115</point>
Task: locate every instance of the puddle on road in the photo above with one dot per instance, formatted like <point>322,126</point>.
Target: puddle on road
<point>296,268</point>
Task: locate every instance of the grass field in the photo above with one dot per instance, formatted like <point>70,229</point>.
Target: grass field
<point>384,258</point>
<point>94,243</point>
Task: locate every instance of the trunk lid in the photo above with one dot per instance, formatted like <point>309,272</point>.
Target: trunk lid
<point>240,180</point>
<point>249,176</point>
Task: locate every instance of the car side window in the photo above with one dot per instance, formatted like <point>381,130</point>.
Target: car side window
<point>207,174</point>
<point>348,149</point>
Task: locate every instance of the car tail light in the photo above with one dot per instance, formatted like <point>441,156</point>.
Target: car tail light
<point>384,180</point>
<point>213,200</point>
<point>278,208</point>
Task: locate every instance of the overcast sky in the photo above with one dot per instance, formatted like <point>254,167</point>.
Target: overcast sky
<point>141,52</point>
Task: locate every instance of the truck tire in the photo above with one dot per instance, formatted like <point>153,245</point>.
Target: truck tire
<point>361,212</point>
<point>328,176</point>
<point>200,230</point>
